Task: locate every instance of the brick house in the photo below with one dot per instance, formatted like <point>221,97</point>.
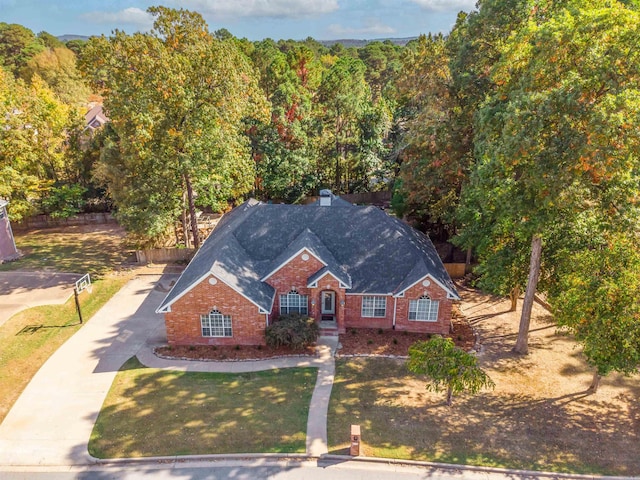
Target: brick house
<point>344,265</point>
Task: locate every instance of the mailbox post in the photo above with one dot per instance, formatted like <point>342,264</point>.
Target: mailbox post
<point>354,451</point>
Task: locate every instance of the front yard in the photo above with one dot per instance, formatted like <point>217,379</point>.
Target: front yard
<point>152,412</point>
<point>538,417</point>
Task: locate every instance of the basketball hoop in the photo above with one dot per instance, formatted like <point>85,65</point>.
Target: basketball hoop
<point>84,283</point>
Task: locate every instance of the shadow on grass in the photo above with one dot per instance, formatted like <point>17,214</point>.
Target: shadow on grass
<point>151,412</point>
<point>576,432</point>
<point>31,329</point>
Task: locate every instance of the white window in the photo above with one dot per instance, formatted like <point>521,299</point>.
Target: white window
<point>424,309</point>
<point>214,324</point>
<point>293,302</point>
<point>374,306</point>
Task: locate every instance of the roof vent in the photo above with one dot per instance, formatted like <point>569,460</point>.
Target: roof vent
<point>325,198</point>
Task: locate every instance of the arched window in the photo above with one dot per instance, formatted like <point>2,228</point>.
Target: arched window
<point>214,324</point>
<point>293,302</point>
<point>424,309</point>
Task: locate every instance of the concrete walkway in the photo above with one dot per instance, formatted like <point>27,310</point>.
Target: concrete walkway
<point>51,422</point>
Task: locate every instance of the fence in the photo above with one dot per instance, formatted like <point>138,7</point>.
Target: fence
<point>457,270</point>
<point>164,255</point>
<point>43,221</point>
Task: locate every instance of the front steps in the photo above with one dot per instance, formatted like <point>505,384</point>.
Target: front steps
<point>328,328</point>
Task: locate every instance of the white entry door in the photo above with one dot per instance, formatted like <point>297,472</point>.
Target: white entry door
<point>328,303</point>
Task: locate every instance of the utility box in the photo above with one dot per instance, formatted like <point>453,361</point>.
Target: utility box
<point>354,451</point>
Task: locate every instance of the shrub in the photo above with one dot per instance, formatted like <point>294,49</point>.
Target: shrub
<point>395,341</point>
<point>293,330</point>
<point>369,342</point>
<point>380,331</point>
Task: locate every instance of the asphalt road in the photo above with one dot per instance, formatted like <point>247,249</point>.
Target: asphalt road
<point>252,470</point>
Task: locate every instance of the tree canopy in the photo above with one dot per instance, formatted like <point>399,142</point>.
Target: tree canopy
<point>177,98</point>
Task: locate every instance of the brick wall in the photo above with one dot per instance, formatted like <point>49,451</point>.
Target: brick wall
<point>330,283</point>
<point>444,311</point>
<point>294,274</point>
<point>183,322</point>
<point>354,318</point>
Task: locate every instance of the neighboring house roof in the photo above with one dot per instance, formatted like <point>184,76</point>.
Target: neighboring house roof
<point>363,247</point>
<point>95,118</point>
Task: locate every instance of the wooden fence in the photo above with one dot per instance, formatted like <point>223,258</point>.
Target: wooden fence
<point>457,270</point>
<point>164,255</point>
<point>44,221</point>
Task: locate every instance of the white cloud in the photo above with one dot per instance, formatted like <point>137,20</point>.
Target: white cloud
<point>446,5</point>
<point>370,27</point>
<point>132,16</point>
<point>260,8</point>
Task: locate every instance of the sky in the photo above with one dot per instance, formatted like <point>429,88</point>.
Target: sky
<point>253,19</point>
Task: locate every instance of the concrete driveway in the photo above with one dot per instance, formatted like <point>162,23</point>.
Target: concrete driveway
<point>51,422</point>
<point>20,290</point>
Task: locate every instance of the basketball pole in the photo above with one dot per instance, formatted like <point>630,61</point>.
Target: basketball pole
<point>75,292</point>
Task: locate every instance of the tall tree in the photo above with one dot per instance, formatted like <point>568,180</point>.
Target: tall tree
<point>57,67</point>
<point>17,45</point>
<point>342,98</point>
<point>34,152</point>
<point>553,140</point>
<point>177,98</point>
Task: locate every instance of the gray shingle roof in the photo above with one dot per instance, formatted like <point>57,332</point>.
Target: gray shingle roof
<point>364,247</point>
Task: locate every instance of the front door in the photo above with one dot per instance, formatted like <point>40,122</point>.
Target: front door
<point>328,303</point>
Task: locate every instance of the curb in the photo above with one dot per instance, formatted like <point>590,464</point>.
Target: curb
<point>469,468</point>
<point>326,460</point>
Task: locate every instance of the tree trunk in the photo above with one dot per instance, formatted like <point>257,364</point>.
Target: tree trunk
<point>522,344</point>
<point>595,382</point>
<point>515,293</point>
<point>449,396</point>
<point>468,261</point>
<point>183,219</point>
<point>192,212</point>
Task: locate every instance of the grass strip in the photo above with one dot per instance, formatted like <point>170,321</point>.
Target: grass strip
<point>150,412</point>
<point>30,337</point>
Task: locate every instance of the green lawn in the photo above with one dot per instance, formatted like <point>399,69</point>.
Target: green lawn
<point>94,249</point>
<point>152,412</point>
<point>575,433</point>
<point>30,337</point>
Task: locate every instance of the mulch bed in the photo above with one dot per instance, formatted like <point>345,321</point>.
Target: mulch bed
<point>361,341</point>
<point>371,341</point>
<point>230,353</point>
